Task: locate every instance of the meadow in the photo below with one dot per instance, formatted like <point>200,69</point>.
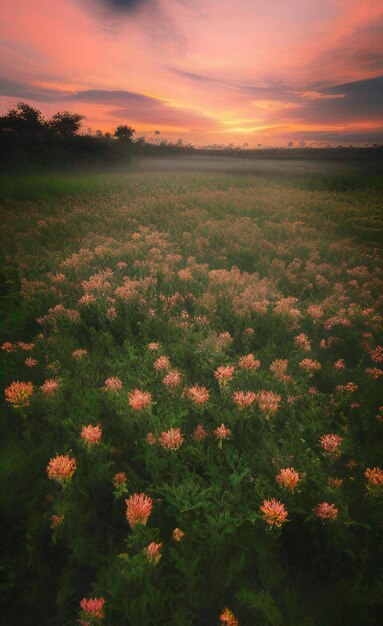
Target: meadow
<point>192,370</point>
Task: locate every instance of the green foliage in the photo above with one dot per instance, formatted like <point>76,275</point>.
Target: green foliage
<point>97,272</point>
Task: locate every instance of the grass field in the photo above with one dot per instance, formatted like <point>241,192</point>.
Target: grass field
<point>213,342</point>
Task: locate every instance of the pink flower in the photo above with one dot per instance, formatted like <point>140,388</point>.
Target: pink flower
<point>225,338</point>
<point>113,383</point>
<point>91,435</point>
<point>288,478</point>
<point>222,432</point>
<point>153,552</point>
<point>162,363</point>
<point>274,512</point>
<point>154,346</point>
<point>228,618</point>
<point>171,439</point>
<point>172,379</point>
<point>324,510</point>
<point>8,347</point>
<point>198,394</point>
<point>138,508</point>
<point>374,372</point>
<point>111,313</point>
<point>49,387</point>
<point>310,365</point>
<point>79,354</point>
<point>224,374</point>
<point>199,433</point>
<point>56,520</point>
<point>119,479</point>
<point>376,354</point>
<point>249,362</point>
<point>18,394</point>
<point>268,402</point>
<point>92,608</point>
<point>244,398</point>
<point>339,364</point>
<point>139,400</point>
<point>278,369</point>
<point>29,362</point>
<point>61,468</point>
<point>150,438</point>
<point>330,443</point>
<point>301,341</point>
<point>178,534</point>
<point>375,479</point>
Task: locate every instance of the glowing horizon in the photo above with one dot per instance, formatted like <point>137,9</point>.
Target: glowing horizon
<point>207,71</point>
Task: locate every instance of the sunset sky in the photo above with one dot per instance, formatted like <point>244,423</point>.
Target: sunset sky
<point>207,71</point>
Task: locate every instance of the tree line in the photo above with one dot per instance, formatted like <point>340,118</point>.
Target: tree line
<point>28,140</point>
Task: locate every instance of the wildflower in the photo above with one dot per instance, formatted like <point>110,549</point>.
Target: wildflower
<point>154,346</point>
<point>150,438</point>
<point>375,479</point>
<point>224,374</point>
<point>91,435</point>
<point>92,609</point>
<point>119,480</point>
<point>198,394</point>
<point>49,387</point>
<point>138,508</point>
<point>278,369</point>
<point>268,401</point>
<point>335,483</point>
<point>228,618</point>
<point>25,346</point>
<point>199,433</point>
<point>86,299</point>
<point>153,552</point>
<point>8,347</point>
<point>111,313</point>
<point>56,520</point>
<point>171,439</point>
<point>29,362</point>
<point>274,512</point>
<point>288,478</point>
<point>121,265</point>
<point>315,311</point>
<point>172,379</point>
<point>325,510</point>
<point>249,362</point>
<point>376,354</point>
<point>374,372</point>
<point>113,383</point>
<point>18,394</point>
<point>61,468</point>
<point>79,354</point>
<point>310,365</point>
<point>162,363</point>
<point>244,399</point>
<point>348,387</point>
<point>178,534</point>
<point>330,443</point>
<point>339,365</point>
<point>222,432</point>
<point>139,400</point>
<point>301,341</point>
<point>225,338</point>
<point>185,275</point>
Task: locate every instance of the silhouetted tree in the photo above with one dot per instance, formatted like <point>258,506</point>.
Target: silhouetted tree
<point>66,124</point>
<point>124,133</point>
<point>24,121</point>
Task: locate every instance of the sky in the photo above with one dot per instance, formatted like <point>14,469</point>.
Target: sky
<point>204,71</point>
